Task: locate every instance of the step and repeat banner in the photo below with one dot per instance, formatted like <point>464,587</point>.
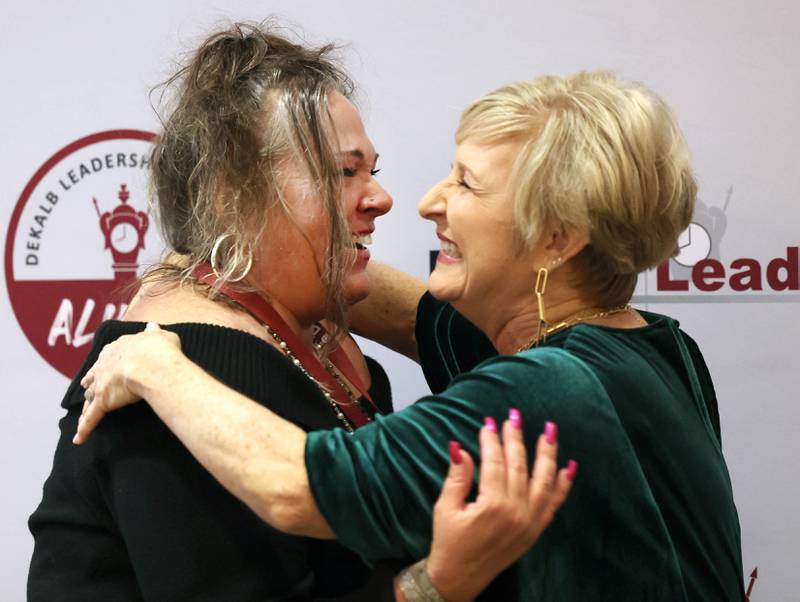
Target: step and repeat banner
<point>78,125</point>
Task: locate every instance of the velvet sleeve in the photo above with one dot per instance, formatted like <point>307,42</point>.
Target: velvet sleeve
<point>706,384</point>
<point>377,486</point>
<point>448,344</point>
<point>609,541</point>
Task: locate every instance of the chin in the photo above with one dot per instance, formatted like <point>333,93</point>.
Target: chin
<point>356,288</point>
<point>444,288</point>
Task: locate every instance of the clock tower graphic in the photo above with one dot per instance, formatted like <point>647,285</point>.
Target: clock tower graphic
<point>124,229</point>
<point>702,238</point>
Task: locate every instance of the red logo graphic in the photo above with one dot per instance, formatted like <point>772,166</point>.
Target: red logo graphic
<point>753,577</point>
<point>76,240</point>
<point>743,274</point>
<point>698,274</point>
<point>124,229</point>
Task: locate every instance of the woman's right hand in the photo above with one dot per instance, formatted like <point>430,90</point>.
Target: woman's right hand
<point>111,382</point>
<point>474,542</point>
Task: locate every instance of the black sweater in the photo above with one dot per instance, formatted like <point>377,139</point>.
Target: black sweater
<point>130,515</point>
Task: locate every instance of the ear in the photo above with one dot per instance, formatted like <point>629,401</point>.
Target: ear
<point>562,242</point>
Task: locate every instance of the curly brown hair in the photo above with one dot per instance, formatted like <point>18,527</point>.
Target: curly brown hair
<point>247,101</point>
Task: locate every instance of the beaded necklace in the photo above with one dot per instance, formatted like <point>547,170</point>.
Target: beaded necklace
<point>335,405</point>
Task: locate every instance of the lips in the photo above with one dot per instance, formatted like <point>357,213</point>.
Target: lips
<point>449,249</point>
<point>360,241</point>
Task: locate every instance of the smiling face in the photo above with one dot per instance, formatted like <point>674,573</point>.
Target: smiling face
<point>292,255</point>
<point>363,198</point>
<point>479,261</point>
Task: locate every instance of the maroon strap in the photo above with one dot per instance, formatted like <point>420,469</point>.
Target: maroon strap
<point>264,312</point>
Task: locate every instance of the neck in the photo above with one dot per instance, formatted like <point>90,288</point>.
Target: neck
<point>298,306</point>
<point>303,328</point>
<point>263,308</point>
<point>518,329</point>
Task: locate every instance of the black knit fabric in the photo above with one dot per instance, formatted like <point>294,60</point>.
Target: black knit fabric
<point>130,515</point>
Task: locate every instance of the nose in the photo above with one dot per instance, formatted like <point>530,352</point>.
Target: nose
<point>433,203</point>
<point>378,201</point>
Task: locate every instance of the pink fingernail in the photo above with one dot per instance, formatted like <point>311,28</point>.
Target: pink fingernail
<point>455,452</point>
<point>572,469</point>
<point>515,417</point>
<point>490,424</point>
<point>550,432</point>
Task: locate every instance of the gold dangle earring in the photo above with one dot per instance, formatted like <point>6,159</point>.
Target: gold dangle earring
<point>541,285</point>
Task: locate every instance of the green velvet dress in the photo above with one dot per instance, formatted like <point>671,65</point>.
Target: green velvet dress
<point>651,515</point>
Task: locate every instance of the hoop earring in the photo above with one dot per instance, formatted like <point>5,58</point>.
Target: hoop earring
<point>541,286</point>
<point>214,261</point>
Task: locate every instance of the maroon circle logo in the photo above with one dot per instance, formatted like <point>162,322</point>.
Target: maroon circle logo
<point>77,238</point>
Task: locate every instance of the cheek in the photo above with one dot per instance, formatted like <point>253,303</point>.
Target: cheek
<point>311,226</point>
<point>297,247</point>
<point>316,248</point>
<point>489,235</point>
<point>477,233</point>
<point>350,200</point>
<point>489,255</point>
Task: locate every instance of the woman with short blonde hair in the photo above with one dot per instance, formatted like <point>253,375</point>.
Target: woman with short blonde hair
<point>598,154</point>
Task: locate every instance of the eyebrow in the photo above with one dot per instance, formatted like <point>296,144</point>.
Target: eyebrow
<point>358,154</point>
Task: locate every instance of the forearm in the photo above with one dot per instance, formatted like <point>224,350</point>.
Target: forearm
<point>388,316</point>
<point>256,455</point>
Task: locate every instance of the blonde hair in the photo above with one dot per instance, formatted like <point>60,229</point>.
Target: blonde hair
<point>248,101</point>
<point>599,154</point>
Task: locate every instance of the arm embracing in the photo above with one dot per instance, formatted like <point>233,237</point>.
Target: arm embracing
<point>377,486</point>
<point>389,315</point>
<point>255,454</point>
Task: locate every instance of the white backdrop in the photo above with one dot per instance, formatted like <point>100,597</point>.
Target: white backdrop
<point>72,69</point>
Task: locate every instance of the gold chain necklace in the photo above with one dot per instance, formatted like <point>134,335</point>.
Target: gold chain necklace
<point>592,313</point>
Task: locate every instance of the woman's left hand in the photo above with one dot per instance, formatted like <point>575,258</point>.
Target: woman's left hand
<point>111,383</point>
<point>474,542</point>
